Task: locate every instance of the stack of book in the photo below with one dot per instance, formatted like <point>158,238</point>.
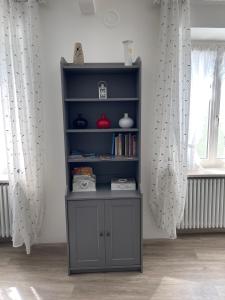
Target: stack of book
<point>124,145</point>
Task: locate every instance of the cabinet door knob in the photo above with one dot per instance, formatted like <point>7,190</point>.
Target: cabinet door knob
<point>101,234</point>
<point>108,233</point>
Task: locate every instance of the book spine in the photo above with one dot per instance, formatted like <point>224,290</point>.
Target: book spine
<point>134,144</point>
<point>126,146</point>
<point>113,144</point>
<point>130,145</point>
<point>120,145</point>
<point>116,145</point>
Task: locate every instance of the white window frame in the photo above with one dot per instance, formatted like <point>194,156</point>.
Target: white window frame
<point>213,119</point>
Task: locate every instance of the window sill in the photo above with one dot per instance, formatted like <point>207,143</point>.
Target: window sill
<point>207,172</point>
<point>4,179</point>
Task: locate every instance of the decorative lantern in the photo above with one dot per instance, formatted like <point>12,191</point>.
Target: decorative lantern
<point>102,90</point>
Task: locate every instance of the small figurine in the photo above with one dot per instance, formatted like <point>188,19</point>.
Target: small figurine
<point>102,90</point>
<point>78,57</point>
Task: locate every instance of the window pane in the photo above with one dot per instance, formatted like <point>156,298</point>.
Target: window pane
<point>203,65</point>
<point>221,132</point>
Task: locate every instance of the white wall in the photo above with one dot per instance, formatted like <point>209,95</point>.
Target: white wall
<point>62,25</point>
<point>208,15</point>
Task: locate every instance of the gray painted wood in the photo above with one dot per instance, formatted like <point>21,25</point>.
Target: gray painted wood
<point>122,225</point>
<point>100,101</point>
<point>103,193</point>
<point>93,66</point>
<point>65,120</point>
<point>136,268</point>
<point>102,160</point>
<point>86,233</point>
<point>87,212</point>
<point>110,130</point>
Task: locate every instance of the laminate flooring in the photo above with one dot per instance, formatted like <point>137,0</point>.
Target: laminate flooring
<point>189,268</point>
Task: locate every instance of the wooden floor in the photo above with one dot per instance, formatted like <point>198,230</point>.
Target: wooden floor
<point>190,268</point>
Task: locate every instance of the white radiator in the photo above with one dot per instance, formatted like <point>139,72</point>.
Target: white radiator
<point>5,214</point>
<point>205,204</point>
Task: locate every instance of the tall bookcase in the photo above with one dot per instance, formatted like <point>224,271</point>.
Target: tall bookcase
<point>104,228</point>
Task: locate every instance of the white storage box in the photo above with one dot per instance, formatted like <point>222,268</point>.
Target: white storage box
<point>84,183</point>
<point>123,184</point>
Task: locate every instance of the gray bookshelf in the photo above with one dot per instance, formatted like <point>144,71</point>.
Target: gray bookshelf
<point>104,228</point>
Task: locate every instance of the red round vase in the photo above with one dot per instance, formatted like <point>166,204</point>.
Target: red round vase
<point>103,122</point>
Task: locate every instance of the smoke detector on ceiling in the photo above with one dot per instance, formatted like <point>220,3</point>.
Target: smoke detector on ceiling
<point>111,18</point>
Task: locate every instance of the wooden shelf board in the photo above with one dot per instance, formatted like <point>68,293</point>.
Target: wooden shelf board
<point>93,130</point>
<point>103,192</point>
<point>99,159</point>
<point>97,100</point>
<point>100,66</point>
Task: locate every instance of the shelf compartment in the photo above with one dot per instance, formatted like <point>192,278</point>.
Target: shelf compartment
<point>106,170</point>
<point>93,110</point>
<point>100,100</point>
<point>98,143</point>
<point>96,130</point>
<point>99,159</point>
<point>84,84</point>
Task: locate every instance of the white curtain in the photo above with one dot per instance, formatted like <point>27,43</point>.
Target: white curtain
<point>21,101</point>
<point>171,111</point>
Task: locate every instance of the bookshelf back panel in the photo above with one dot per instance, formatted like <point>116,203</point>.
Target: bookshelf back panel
<point>92,112</point>
<point>107,170</point>
<point>90,142</point>
<point>85,85</point>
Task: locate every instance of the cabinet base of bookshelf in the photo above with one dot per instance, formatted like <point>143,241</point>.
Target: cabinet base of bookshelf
<point>136,268</point>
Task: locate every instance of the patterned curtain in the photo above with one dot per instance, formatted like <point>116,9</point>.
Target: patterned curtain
<point>172,112</point>
<point>21,102</point>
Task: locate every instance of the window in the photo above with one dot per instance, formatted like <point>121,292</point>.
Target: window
<point>207,107</point>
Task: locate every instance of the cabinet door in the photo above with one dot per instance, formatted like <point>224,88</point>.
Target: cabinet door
<point>122,219</point>
<point>86,234</point>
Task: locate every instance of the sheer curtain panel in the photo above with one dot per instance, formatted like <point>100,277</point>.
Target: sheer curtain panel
<point>21,101</point>
<point>171,111</point>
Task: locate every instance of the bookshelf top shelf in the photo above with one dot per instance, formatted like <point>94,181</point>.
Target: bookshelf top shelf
<point>100,100</point>
<point>96,130</point>
<point>107,67</point>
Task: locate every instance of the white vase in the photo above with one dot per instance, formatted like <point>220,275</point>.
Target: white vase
<point>126,121</point>
<point>128,52</point>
